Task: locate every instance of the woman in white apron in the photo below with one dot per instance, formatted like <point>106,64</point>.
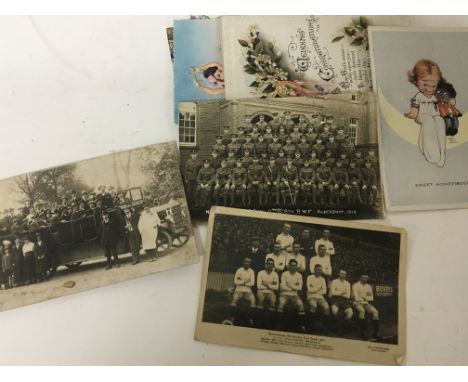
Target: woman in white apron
<point>148,226</point>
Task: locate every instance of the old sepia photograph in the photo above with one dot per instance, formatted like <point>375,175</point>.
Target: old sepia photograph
<point>315,156</point>
<point>304,285</point>
<point>92,223</point>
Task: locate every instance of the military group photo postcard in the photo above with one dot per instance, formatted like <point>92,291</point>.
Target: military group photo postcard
<point>420,76</point>
<point>92,223</point>
<point>304,285</point>
<point>315,156</point>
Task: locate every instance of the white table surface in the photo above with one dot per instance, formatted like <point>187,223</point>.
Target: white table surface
<point>74,88</point>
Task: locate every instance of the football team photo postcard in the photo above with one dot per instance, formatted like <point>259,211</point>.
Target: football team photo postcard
<point>302,285</point>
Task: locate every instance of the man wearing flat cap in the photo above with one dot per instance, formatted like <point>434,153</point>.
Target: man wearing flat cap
<point>132,233</point>
<point>109,239</point>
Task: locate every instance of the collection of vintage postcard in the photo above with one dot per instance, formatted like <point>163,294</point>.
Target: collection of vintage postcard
<point>290,127</point>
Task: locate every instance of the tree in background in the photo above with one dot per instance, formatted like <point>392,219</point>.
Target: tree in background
<point>49,185</point>
<point>161,164</point>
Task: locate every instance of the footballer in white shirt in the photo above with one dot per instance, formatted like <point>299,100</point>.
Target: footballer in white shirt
<point>291,284</point>
<point>244,279</point>
<point>316,291</point>
<point>340,294</point>
<point>285,239</point>
<point>362,298</point>
<point>278,258</point>
<point>296,255</point>
<point>267,285</point>
<point>325,240</point>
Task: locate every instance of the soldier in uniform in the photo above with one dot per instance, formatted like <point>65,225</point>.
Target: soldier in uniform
<point>288,123</point>
<point>262,124</point>
<point>323,177</point>
<point>255,133</point>
<point>315,121</point>
<point>340,181</point>
<point>234,146</point>
<point>256,181</point>
<point>226,135</point>
<point>272,178</point>
<point>331,123</point>
<point>282,135</point>
<point>325,132</point>
<point>348,148</point>
<point>215,160</point>
<point>281,160</point>
<point>304,147</point>
<point>303,124</point>
<point>275,123</point>
<point>261,145</point>
<point>319,148</point>
<point>219,147</point>
<point>241,136</point>
<point>238,182</point>
<point>358,159</point>
<point>340,136</point>
<point>344,160</point>
<point>289,148</point>
<point>330,159</point>
<point>205,181</point>
<point>311,135</point>
<point>369,184</point>
<point>248,144</point>
<point>307,182</point>
<point>264,159</point>
<point>274,147</point>
<point>289,184</point>
<point>231,160</point>
<point>247,125</point>
<point>268,136</point>
<point>247,159</point>
<point>297,160</point>
<point>295,135</point>
<point>192,166</point>
<point>222,182</point>
<point>314,161</point>
<point>372,158</point>
<point>355,177</point>
<point>332,145</point>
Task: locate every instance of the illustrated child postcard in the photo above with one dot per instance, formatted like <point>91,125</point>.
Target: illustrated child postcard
<point>303,285</point>
<point>280,56</point>
<point>422,86</point>
<point>198,69</point>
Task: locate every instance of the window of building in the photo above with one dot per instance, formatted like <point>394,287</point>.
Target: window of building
<point>353,130</point>
<point>354,97</point>
<point>187,124</point>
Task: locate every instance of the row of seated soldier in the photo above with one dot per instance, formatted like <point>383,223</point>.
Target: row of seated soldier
<point>306,163</point>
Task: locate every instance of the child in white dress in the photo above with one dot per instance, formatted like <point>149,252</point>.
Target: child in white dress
<point>426,75</point>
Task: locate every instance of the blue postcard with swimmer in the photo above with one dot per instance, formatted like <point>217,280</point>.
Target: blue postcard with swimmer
<point>422,87</point>
<point>198,69</point>
<point>282,56</point>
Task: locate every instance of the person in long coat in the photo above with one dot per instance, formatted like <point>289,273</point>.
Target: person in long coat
<point>148,227</point>
<point>29,274</point>
<point>18,261</point>
<point>133,234</point>
<point>41,258</point>
<point>109,239</point>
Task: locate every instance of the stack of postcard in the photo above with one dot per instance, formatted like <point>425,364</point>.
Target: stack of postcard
<point>327,116</point>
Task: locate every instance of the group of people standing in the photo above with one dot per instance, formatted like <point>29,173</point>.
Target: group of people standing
<point>25,261</point>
